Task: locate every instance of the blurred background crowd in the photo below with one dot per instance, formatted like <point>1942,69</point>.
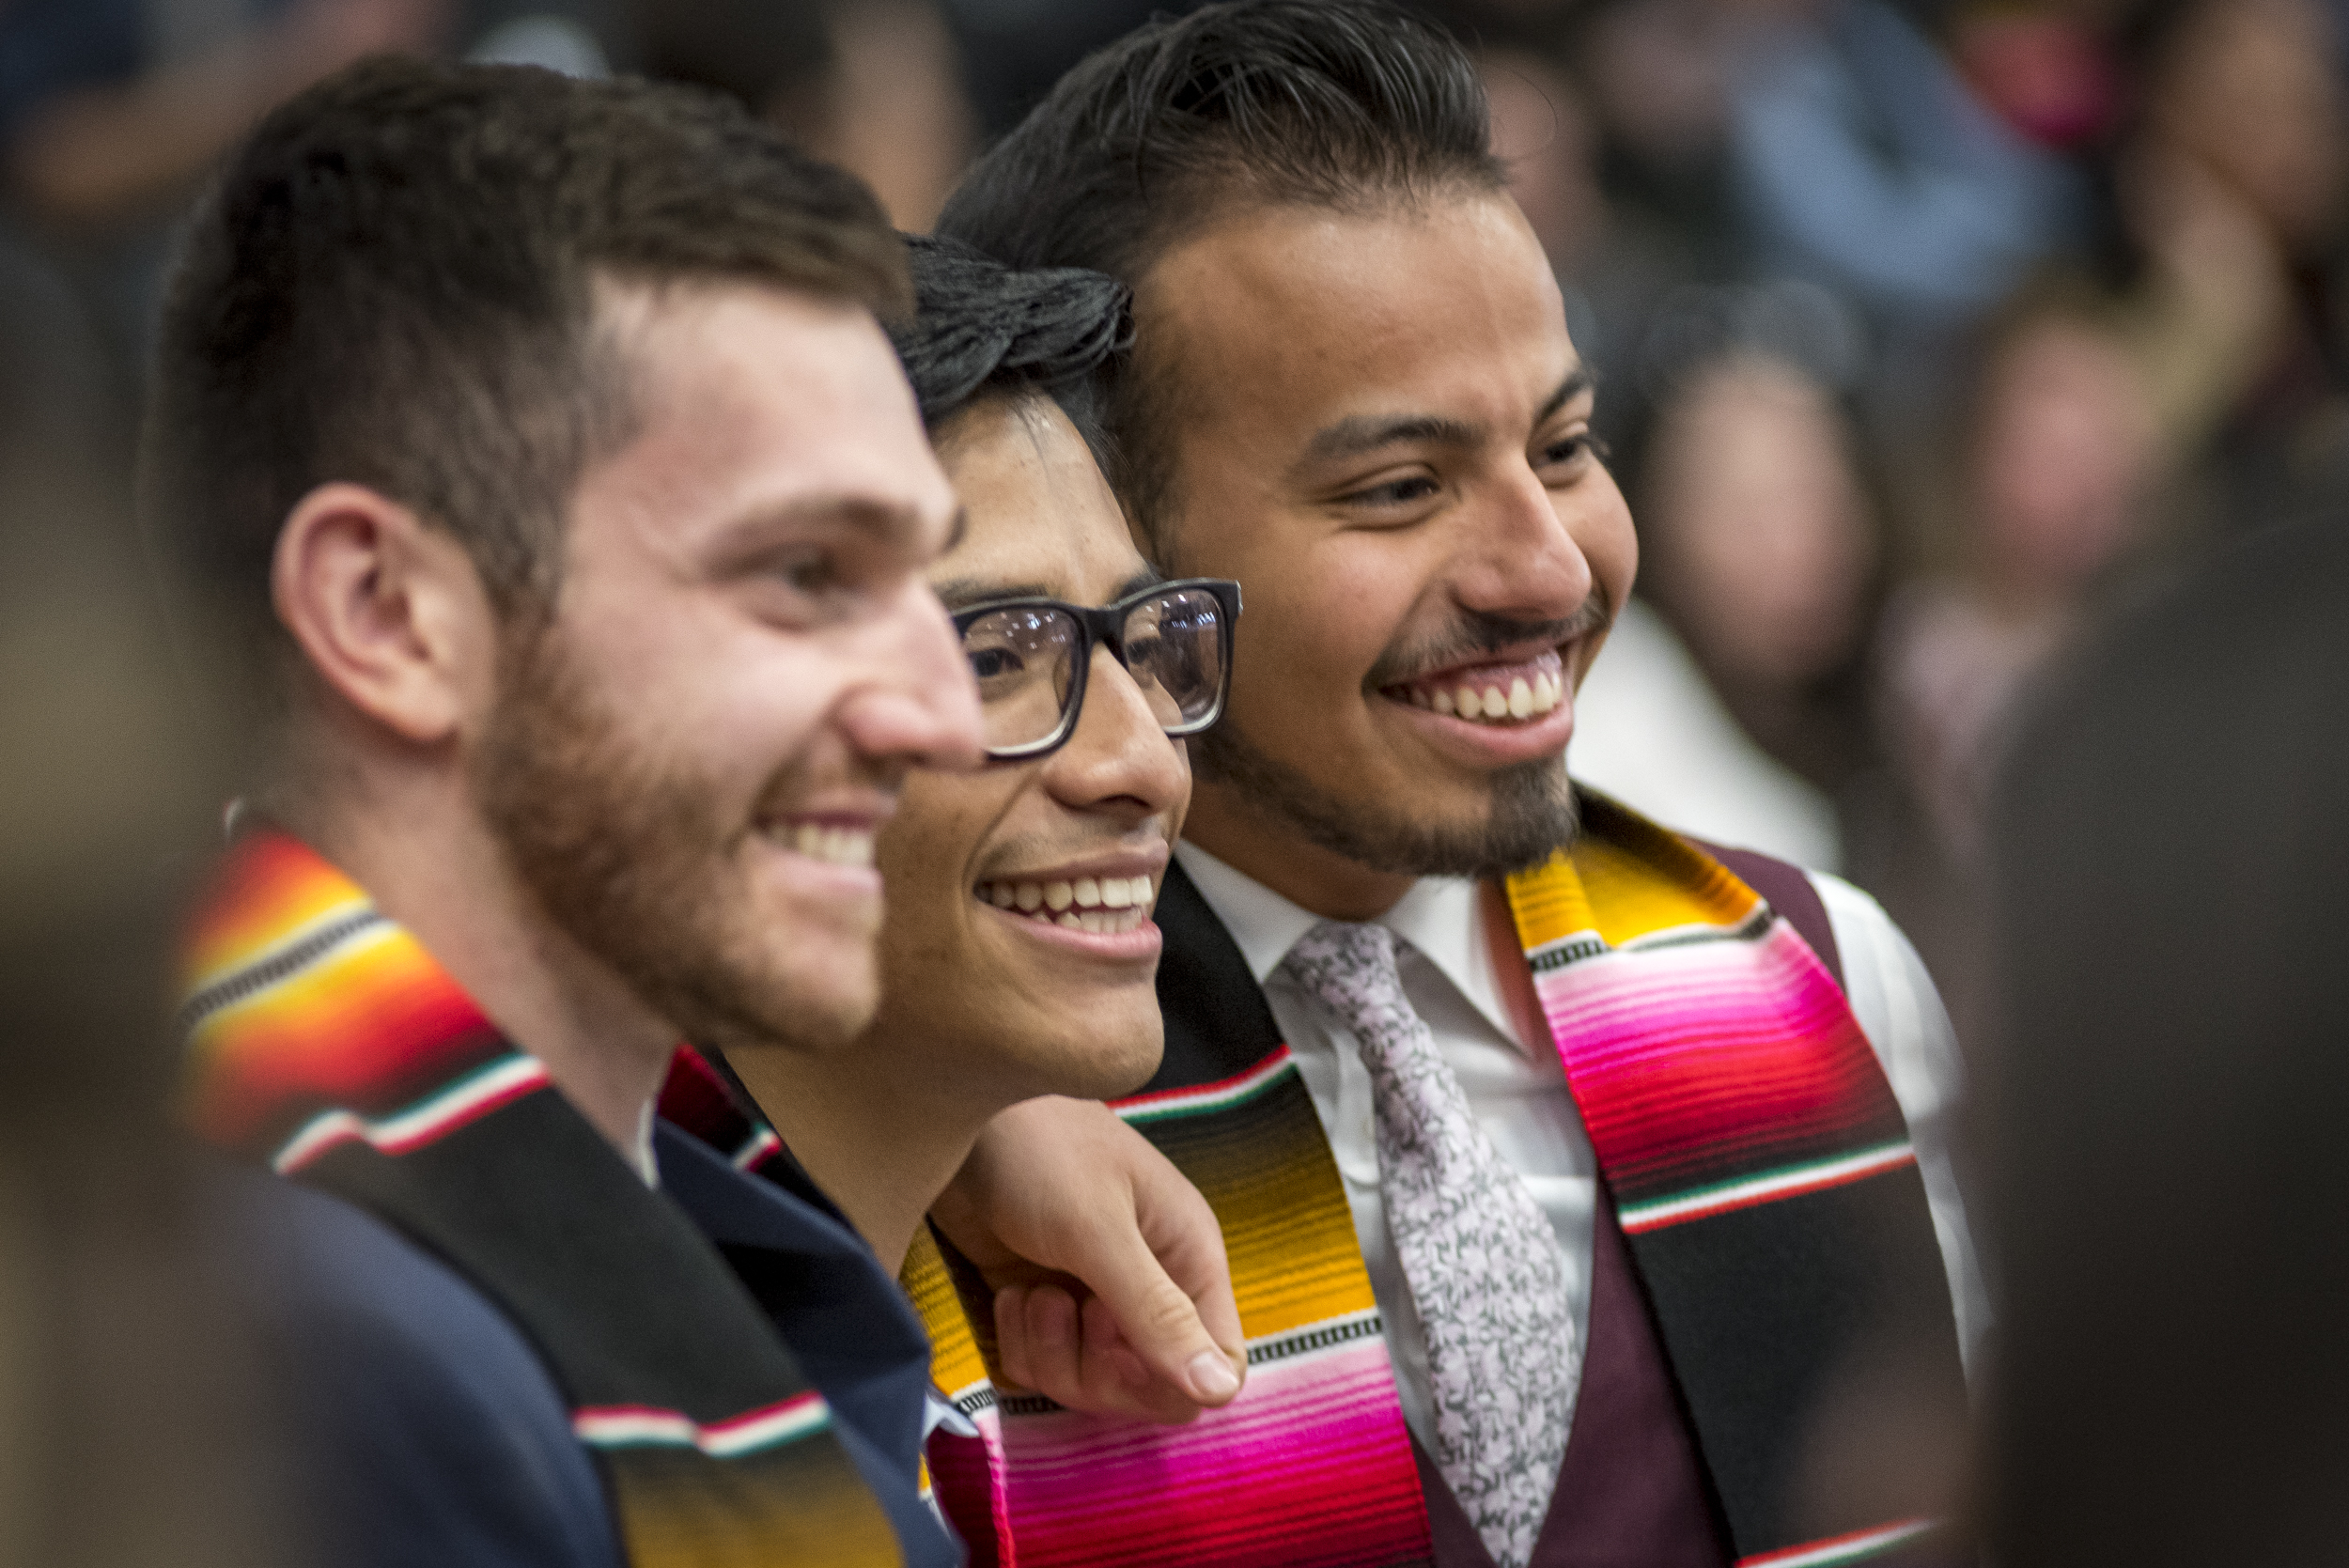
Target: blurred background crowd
<point>1927,330</point>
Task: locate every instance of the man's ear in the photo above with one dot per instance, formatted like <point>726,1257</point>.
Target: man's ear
<point>390,612</point>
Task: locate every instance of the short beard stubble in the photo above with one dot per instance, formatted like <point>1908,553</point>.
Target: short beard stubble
<point>1533,813</point>
<point>628,856</point>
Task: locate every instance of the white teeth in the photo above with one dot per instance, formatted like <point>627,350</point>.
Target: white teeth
<point>1526,697</point>
<point>833,846</point>
<point>1101,904</point>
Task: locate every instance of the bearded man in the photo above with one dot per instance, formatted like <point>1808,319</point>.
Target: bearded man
<point>1587,1189</point>
<point>538,444</point>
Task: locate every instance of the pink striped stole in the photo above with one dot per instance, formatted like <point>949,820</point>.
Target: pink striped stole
<point>1761,1166</point>
<point>1310,1468</point>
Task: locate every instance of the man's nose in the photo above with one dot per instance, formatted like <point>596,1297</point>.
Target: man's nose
<point>1120,756</point>
<point>919,705</point>
<point>1520,559</point>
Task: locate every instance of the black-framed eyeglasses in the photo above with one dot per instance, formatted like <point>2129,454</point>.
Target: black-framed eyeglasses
<point>1031,657</point>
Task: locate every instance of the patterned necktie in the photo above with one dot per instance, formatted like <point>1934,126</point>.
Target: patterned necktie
<point>1483,1265</point>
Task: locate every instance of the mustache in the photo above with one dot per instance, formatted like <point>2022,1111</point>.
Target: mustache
<point>1476,634</point>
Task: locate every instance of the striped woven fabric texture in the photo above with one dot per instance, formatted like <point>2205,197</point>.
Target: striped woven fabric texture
<point>324,1041</point>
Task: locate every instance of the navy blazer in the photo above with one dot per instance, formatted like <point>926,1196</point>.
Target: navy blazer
<point>427,1430</point>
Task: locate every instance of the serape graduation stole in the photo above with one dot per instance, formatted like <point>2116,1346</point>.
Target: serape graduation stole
<point>1311,1467</point>
<point>1759,1163</point>
<point>326,1043</point>
<point>1773,1209</point>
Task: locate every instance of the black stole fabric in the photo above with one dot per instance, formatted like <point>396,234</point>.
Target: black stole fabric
<point>631,1306</point>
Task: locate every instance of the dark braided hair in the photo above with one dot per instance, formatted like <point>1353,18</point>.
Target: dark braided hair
<point>982,327</point>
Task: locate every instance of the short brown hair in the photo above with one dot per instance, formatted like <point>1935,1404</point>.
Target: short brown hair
<point>392,283</point>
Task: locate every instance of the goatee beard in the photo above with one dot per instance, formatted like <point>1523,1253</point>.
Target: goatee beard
<point>1533,813</point>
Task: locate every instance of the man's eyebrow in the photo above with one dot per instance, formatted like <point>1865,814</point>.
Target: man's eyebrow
<point>962,592</point>
<point>1578,381</point>
<point>1363,434</point>
<point>753,536</point>
<point>1360,435</point>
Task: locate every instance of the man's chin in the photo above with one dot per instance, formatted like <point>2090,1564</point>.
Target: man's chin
<point>1514,818</point>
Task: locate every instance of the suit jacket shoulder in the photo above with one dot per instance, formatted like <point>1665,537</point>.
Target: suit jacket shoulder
<point>425,1427</point>
<point>1218,1023</point>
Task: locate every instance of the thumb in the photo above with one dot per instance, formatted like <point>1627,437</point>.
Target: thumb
<point>1168,1284</point>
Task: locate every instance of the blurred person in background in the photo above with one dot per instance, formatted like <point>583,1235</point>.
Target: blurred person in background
<point>565,505</point>
<point>875,87</point>
<point>1758,547</point>
<point>2163,1102</point>
<point>2059,463</point>
<point>140,1410</point>
<point>2235,182</point>
<point>1354,390</point>
<point>1018,951</point>
<point>2061,466</point>
<point>111,112</point>
<point>1864,161</point>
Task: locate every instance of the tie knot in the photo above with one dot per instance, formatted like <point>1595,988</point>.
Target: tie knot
<point>1351,970</point>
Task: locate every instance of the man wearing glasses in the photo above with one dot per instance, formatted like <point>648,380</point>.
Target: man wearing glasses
<point>1618,1226</point>
<point>1018,952</point>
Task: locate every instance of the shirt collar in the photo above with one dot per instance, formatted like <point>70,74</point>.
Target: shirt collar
<point>1440,916</point>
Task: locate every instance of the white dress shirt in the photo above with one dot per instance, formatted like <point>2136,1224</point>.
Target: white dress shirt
<point>1521,1096</point>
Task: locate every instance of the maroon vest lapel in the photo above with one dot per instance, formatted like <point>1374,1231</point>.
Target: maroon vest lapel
<point>1631,1492</point>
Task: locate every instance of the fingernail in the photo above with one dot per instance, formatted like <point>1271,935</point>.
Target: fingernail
<point>1212,1376</point>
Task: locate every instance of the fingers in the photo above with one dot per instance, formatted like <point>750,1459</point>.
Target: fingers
<point>1078,1357</point>
<point>1157,1319</point>
<point>1037,1337</point>
<point>1066,1186</point>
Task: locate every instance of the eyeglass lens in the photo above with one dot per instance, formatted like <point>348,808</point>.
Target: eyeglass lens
<point>1025,661</point>
<point>1024,657</point>
<point>1174,650</point>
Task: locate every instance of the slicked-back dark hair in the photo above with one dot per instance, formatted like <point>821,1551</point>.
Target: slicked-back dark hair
<point>980,328</point>
<point>1346,104</point>
<point>393,282</point>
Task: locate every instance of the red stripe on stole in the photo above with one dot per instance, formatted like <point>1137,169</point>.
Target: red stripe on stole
<point>373,1042</point>
<point>1287,1474</point>
<point>1694,1063</point>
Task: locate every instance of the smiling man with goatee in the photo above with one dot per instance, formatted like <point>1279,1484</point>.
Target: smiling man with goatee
<point>1587,1187</point>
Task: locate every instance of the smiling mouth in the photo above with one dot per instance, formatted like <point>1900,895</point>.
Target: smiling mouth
<point>830,843</point>
<point>1501,695</point>
<point>1106,906</point>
